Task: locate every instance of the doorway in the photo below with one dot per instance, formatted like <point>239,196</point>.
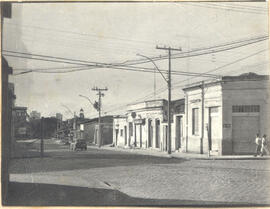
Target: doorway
<point>178,132</point>
<point>213,132</point>
<point>150,133</point>
<point>140,135</point>
<point>135,135</point>
<point>165,137</point>
<point>157,133</point>
<point>116,136</point>
<point>125,135</point>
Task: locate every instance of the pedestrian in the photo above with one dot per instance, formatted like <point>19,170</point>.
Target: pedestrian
<point>258,142</point>
<point>264,146</point>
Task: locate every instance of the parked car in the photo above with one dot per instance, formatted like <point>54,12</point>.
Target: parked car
<point>79,144</point>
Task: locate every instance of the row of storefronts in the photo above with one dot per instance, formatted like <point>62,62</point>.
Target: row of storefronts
<point>145,125</point>
<point>221,117</point>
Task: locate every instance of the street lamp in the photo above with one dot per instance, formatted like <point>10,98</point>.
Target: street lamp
<point>168,81</point>
<point>154,65</point>
<point>86,98</point>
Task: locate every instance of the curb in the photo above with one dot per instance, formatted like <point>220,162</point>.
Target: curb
<point>132,151</point>
<point>220,158</point>
<point>140,152</point>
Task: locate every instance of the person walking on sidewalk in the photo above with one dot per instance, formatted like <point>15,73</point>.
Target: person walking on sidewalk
<point>264,146</point>
<point>258,142</point>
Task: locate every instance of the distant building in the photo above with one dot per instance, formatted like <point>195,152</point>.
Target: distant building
<point>89,130</point>
<point>81,113</point>
<point>49,127</point>
<point>34,115</point>
<point>59,116</point>
<point>71,129</point>
<point>11,89</point>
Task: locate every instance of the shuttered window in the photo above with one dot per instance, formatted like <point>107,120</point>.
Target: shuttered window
<point>195,121</point>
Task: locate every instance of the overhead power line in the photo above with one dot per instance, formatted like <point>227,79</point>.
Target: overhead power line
<point>161,90</point>
<point>227,44</point>
<point>236,8</point>
<point>201,51</point>
<point>132,68</point>
<point>142,61</point>
<point>231,9</point>
<point>248,6</point>
<point>213,70</point>
<point>81,34</point>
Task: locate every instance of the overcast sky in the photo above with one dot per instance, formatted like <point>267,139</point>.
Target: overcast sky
<point>116,32</point>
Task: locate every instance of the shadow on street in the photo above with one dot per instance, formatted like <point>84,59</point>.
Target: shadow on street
<point>32,194</point>
<point>84,160</point>
<point>59,158</point>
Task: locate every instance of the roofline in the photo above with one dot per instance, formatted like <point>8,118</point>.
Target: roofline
<point>94,119</point>
<point>227,79</point>
<point>145,108</point>
<point>147,101</point>
<point>199,85</point>
<point>19,107</point>
<point>119,116</point>
<point>155,107</point>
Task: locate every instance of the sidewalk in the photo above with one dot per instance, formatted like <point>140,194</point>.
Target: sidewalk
<point>181,155</point>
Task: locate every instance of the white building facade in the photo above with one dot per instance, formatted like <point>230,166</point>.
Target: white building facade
<point>224,116</point>
<point>145,126</point>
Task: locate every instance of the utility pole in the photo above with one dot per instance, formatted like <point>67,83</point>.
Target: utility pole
<point>41,138</point>
<point>154,86</point>
<point>169,139</point>
<point>100,94</point>
<point>202,118</point>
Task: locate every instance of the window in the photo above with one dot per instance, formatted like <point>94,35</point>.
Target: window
<point>195,121</point>
<point>121,132</point>
<point>246,108</point>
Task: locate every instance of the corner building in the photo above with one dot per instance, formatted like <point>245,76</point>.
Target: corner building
<point>223,116</point>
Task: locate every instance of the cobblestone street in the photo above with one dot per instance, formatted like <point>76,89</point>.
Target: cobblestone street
<point>178,181</point>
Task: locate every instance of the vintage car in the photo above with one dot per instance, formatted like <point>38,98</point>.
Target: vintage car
<point>79,144</point>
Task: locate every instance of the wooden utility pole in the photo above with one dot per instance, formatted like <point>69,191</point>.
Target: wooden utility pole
<point>202,125</point>
<point>100,94</point>
<point>42,137</point>
<point>169,139</point>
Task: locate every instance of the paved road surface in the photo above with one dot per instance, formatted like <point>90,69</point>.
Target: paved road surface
<point>119,178</point>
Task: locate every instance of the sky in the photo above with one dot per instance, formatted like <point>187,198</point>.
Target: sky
<point>117,32</point>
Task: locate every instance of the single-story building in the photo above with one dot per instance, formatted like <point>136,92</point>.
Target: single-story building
<point>145,125</point>
<point>89,129</point>
<point>223,116</point>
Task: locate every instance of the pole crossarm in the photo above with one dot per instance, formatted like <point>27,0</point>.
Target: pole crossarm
<point>169,48</point>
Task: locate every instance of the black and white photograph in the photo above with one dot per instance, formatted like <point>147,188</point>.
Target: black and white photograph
<point>135,103</point>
